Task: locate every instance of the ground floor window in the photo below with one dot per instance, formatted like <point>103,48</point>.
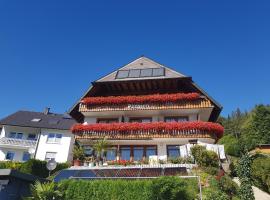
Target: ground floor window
<point>137,153</point>
<point>111,154</point>
<point>50,156</point>
<point>10,155</point>
<point>173,151</point>
<point>26,156</point>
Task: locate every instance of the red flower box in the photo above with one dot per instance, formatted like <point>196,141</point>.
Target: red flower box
<point>154,98</point>
<point>153,126</point>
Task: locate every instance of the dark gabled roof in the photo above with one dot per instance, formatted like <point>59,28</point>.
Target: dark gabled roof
<point>49,121</point>
<point>20,175</point>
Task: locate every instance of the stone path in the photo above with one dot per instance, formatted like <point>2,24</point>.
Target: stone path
<point>259,194</point>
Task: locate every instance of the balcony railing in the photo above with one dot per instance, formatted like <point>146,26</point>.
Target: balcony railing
<point>197,129</point>
<point>17,142</point>
<point>144,102</point>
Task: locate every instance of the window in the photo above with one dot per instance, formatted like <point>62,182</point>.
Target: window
<point>54,138</point>
<point>26,156</point>
<point>36,120</point>
<point>108,121</point>
<point>111,154</point>
<point>10,155</point>
<point>50,156</point>
<point>88,150</point>
<point>176,119</point>
<point>137,153</point>
<point>15,135</point>
<point>140,119</point>
<point>146,72</point>
<point>173,151</point>
<point>150,151</point>
<point>31,136</point>
<point>158,72</point>
<point>138,73</point>
<point>125,153</point>
<point>134,73</point>
<point>122,74</point>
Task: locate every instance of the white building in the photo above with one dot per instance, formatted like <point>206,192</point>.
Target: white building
<point>38,135</point>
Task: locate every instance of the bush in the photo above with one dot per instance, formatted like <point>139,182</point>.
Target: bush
<point>181,160</point>
<point>169,188</point>
<point>260,173</point>
<point>172,188</point>
<point>203,157</point>
<point>231,145</point>
<point>10,165</point>
<point>38,168</point>
<point>228,186</point>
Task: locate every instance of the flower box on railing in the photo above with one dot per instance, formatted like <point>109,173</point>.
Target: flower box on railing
<point>143,130</point>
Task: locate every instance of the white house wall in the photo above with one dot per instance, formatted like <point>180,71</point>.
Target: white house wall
<point>63,149</point>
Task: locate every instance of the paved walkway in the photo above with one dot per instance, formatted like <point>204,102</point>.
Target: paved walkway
<point>259,194</point>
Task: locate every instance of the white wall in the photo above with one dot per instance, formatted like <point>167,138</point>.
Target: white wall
<point>63,149</point>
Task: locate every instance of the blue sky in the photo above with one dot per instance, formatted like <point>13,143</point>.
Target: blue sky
<point>50,51</point>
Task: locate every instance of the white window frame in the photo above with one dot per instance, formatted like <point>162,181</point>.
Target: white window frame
<point>51,157</point>
<point>54,139</point>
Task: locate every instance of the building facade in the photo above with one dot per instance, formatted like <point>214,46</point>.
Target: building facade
<point>38,135</point>
<point>145,109</point>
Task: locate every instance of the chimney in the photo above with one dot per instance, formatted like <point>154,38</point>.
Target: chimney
<point>46,111</point>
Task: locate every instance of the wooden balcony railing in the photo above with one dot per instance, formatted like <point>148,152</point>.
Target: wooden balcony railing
<point>194,129</point>
<point>200,103</point>
<point>17,142</point>
<point>145,102</point>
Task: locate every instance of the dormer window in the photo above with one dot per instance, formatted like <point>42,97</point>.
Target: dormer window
<point>36,120</point>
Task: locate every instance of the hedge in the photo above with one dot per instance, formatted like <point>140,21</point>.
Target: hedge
<point>164,188</point>
<point>32,166</point>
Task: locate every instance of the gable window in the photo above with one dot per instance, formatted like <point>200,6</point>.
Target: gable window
<point>54,138</point>
<point>50,156</point>
<point>108,121</point>
<point>176,119</point>
<point>31,136</point>
<point>10,155</point>
<point>26,156</point>
<point>15,135</point>
<point>141,119</point>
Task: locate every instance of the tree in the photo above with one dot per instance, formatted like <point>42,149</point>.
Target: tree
<point>244,174</point>
<point>101,147</point>
<point>44,191</point>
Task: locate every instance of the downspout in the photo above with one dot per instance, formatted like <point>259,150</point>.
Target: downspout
<point>38,140</point>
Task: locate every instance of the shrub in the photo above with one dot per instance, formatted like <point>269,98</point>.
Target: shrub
<point>169,188</point>
<point>260,173</point>
<point>217,195</point>
<point>38,168</point>
<point>10,165</point>
<point>203,157</point>
<point>228,186</point>
<point>181,160</point>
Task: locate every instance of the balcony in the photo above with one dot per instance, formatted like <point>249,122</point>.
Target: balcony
<point>19,143</point>
<point>144,102</point>
<point>193,129</point>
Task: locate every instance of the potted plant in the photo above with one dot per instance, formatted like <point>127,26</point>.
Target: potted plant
<point>100,147</point>
<point>78,155</point>
<point>90,161</point>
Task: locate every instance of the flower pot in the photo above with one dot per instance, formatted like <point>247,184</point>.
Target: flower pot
<point>91,164</point>
<point>76,162</point>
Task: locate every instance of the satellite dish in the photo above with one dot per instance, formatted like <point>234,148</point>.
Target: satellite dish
<point>31,151</point>
<point>51,165</point>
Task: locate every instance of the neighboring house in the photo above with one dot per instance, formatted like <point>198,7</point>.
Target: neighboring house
<point>36,135</point>
<point>14,184</point>
<point>146,109</point>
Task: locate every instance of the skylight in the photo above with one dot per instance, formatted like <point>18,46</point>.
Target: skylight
<point>140,73</point>
<point>36,120</point>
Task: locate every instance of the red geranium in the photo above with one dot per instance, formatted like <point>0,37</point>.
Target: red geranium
<point>151,127</point>
<point>154,98</point>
